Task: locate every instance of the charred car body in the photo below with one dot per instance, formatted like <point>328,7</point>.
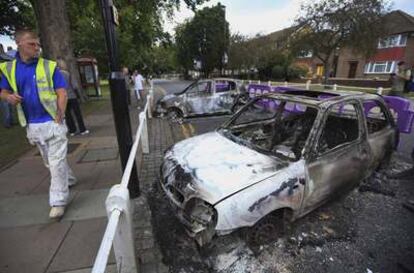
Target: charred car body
<point>203,97</point>
<point>280,152</point>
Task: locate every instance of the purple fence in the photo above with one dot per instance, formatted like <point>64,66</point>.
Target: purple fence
<point>400,107</point>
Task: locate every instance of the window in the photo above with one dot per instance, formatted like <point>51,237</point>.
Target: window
<point>199,89</point>
<point>375,116</point>
<point>305,54</point>
<point>393,41</point>
<point>341,127</point>
<point>379,67</point>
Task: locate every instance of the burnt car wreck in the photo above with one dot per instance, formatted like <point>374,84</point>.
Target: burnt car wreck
<point>204,97</point>
<point>285,153</point>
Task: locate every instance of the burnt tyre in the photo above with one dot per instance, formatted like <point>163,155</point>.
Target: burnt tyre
<point>266,231</point>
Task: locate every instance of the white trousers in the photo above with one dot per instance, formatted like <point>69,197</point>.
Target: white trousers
<point>51,140</point>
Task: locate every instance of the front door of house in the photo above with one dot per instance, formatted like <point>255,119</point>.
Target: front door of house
<point>352,69</point>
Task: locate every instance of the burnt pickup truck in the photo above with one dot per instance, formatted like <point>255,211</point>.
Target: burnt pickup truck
<point>203,97</point>
<point>283,154</point>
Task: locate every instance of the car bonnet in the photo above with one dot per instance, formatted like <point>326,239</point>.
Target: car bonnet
<point>215,167</point>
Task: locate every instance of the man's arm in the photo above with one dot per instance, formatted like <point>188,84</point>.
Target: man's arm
<point>62,99</point>
<point>10,97</point>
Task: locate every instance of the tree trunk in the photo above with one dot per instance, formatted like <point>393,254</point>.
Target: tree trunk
<point>54,32</point>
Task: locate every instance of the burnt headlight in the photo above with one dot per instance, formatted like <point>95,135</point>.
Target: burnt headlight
<point>201,212</point>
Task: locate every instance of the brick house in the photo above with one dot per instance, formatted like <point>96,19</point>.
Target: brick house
<point>397,45</point>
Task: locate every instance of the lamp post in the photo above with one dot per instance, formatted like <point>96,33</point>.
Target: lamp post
<point>118,90</point>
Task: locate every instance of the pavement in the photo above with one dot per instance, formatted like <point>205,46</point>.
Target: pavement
<point>31,242</point>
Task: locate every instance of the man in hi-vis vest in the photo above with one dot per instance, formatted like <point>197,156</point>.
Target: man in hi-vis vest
<point>37,89</point>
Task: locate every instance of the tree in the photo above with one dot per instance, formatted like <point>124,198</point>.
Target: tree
<point>205,38</point>
<point>70,28</point>
<point>329,25</point>
<point>54,29</point>
<point>15,14</point>
<point>238,53</point>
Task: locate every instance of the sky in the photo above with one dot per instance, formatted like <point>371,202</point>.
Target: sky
<point>249,17</point>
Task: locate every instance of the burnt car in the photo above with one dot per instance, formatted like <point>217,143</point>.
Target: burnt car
<point>281,154</point>
<point>203,97</point>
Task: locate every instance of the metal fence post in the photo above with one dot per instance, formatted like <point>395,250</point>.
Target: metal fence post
<point>149,101</point>
<point>379,90</point>
<point>144,139</point>
<point>118,199</point>
<point>308,82</point>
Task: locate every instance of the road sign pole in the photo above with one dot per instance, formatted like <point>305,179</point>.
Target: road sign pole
<point>119,92</point>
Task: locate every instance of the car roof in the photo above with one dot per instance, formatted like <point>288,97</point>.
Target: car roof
<point>316,98</point>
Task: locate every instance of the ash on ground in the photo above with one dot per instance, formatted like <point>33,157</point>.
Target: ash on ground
<point>368,230</point>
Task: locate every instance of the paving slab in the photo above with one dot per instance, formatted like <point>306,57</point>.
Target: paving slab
<point>80,246</point>
<point>100,154</point>
<point>34,209</point>
<point>24,211</point>
<point>111,268</point>
<point>30,249</point>
<point>22,177</point>
<point>87,205</point>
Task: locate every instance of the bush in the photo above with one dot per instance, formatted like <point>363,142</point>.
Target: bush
<point>278,72</point>
<point>297,71</point>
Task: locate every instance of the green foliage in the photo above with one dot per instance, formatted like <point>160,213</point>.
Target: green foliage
<point>297,71</point>
<point>205,38</point>
<point>15,14</point>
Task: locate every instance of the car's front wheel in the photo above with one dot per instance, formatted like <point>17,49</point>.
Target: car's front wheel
<point>266,230</point>
<point>175,115</point>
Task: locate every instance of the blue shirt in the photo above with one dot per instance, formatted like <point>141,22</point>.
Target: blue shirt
<point>27,88</point>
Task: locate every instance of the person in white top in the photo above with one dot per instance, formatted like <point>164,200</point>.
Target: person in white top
<point>138,85</point>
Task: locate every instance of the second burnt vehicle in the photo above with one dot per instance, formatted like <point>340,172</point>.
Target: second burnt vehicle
<point>281,155</point>
<point>204,97</point>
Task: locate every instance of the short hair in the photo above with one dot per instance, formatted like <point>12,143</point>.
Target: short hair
<point>22,32</point>
<point>401,63</point>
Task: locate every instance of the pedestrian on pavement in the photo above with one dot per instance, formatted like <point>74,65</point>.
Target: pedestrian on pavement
<point>138,86</point>
<point>399,79</point>
<point>73,111</point>
<point>37,89</point>
<point>11,52</point>
<point>129,83</point>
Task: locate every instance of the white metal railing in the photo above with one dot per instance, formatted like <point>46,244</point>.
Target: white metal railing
<point>119,210</point>
<point>335,87</point>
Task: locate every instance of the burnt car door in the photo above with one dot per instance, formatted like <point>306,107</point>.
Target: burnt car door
<point>381,131</point>
<point>224,95</point>
<point>340,154</point>
<point>198,99</point>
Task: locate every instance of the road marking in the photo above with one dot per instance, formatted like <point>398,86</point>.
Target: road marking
<point>187,130</point>
<point>162,90</point>
<point>192,129</point>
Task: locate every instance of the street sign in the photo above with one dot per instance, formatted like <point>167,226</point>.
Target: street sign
<point>115,15</point>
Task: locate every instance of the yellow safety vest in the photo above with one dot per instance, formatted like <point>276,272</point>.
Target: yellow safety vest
<point>44,82</point>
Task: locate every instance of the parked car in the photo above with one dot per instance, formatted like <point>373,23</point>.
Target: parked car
<point>203,97</point>
<point>281,154</point>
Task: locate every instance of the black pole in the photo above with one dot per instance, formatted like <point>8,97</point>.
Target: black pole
<point>119,91</point>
